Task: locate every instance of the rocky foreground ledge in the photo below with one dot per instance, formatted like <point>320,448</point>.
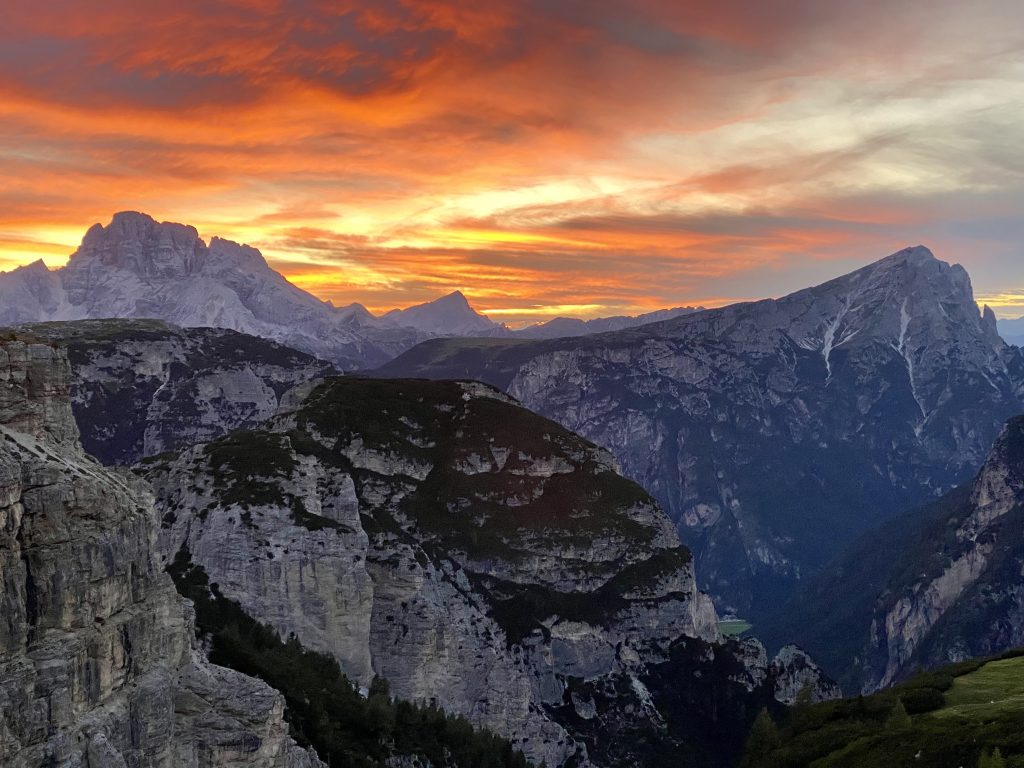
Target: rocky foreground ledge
<point>97,665</point>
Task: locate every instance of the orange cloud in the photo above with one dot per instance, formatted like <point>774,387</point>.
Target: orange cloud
<point>609,155</point>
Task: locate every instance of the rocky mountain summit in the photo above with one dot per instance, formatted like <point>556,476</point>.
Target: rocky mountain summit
<point>97,665</point>
<point>477,557</point>
<point>450,315</point>
<point>142,387</point>
<point>775,432</point>
<point>940,585</point>
<point>136,267</point>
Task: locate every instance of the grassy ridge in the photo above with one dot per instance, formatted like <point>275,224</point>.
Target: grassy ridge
<point>954,716</point>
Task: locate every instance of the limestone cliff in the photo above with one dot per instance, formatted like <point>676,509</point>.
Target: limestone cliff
<point>142,387</point>
<point>97,668</point>
<point>473,554</point>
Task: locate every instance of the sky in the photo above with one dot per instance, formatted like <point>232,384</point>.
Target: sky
<point>545,157</point>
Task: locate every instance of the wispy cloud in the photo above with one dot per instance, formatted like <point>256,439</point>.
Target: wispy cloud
<point>610,155</point>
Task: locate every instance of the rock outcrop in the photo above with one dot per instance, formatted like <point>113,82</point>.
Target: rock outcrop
<point>142,387</point>
<point>97,666</point>
<point>468,551</point>
<point>774,433</point>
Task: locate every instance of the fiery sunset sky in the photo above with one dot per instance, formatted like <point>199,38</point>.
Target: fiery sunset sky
<point>584,157</point>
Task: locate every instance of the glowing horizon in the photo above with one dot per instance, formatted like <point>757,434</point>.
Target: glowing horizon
<point>616,157</point>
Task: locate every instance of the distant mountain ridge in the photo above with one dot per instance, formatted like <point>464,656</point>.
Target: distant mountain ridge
<point>775,432</point>
<point>562,327</point>
<point>450,315</point>
<point>137,267</point>
<point>1012,330</point>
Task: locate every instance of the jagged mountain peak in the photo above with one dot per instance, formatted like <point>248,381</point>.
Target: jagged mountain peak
<point>34,267</point>
<point>897,274</point>
<point>452,299</point>
<point>138,243</point>
<point>138,267</point>
<point>912,254</point>
<point>449,314</point>
<point>138,226</point>
<point>135,242</point>
<point>908,300</point>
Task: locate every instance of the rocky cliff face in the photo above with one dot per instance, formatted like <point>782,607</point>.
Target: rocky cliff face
<point>471,553</point>
<point>139,268</point>
<point>142,387</point>
<point>97,669</point>
<point>942,585</point>
<point>775,432</point>
<point>968,598</point>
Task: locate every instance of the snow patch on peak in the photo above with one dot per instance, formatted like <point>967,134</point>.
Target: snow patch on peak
<point>901,347</point>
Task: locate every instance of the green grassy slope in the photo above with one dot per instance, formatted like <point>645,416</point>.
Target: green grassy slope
<point>954,716</point>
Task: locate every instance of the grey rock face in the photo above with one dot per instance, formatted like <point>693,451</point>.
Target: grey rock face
<point>775,432</point>
<point>969,596</point>
<point>96,664</point>
<point>142,387</point>
<point>472,553</point>
<point>139,268</point>
<point>34,385</point>
<point>940,585</point>
<point>796,675</point>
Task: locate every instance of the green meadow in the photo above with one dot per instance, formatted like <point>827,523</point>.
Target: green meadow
<point>954,717</point>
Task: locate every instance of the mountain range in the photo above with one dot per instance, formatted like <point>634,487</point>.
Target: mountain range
<point>561,327</point>
<point>462,558</point>
<point>741,420</point>
<point>137,267</point>
<point>775,432</point>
